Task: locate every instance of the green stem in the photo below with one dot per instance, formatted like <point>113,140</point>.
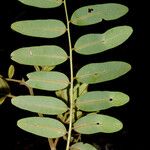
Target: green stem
<point>71,77</point>
<point>11,96</point>
<point>14,80</point>
<point>22,82</point>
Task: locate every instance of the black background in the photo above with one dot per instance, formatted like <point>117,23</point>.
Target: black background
<point>134,115</point>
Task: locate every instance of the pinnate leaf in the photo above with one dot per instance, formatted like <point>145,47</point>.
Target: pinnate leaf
<point>42,3</point>
<point>40,55</point>
<point>92,14</point>
<point>95,123</point>
<point>40,104</point>
<point>42,126</point>
<point>100,72</point>
<point>97,43</point>
<point>49,28</point>
<point>50,81</point>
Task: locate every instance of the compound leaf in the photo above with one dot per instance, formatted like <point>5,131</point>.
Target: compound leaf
<point>95,123</point>
<point>49,28</point>
<point>82,146</point>
<point>97,43</point>
<point>42,3</point>
<point>93,14</point>
<point>50,81</point>
<point>42,126</point>
<point>40,55</point>
<point>40,104</point>
<point>100,100</point>
<point>100,72</point>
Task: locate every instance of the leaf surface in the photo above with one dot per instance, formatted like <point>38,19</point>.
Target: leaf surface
<point>42,126</point>
<point>97,43</point>
<point>93,14</point>
<point>40,55</point>
<point>100,72</point>
<point>40,104</point>
<point>100,100</point>
<point>11,71</point>
<point>42,3</point>
<point>95,123</point>
<point>50,81</point>
<point>49,28</point>
<point>82,146</point>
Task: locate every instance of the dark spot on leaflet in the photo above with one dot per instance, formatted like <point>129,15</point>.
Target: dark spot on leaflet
<point>98,123</point>
<point>90,10</point>
<point>110,99</point>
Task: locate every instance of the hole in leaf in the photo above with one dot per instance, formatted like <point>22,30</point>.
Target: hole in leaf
<point>110,99</point>
<point>98,123</point>
<point>90,10</point>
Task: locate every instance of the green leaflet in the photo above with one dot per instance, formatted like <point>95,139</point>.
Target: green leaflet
<point>40,55</point>
<point>42,126</point>
<point>42,3</point>
<point>40,104</point>
<point>95,123</point>
<point>97,43</point>
<point>82,146</point>
<point>100,100</point>
<point>92,14</point>
<point>50,81</point>
<point>4,90</point>
<point>49,28</point>
<point>100,72</point>
<point>11,71</point>
<point>4,87</point>
<point>2,99</point>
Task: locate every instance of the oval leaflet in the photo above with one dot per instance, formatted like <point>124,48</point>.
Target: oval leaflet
<point>100,72</point>
<point>40,55</point>
<point>95,123</point>
<point>50,81</point>
<point>92,14</point>
<point>40,104</point>
<point>82,146</point>
<point>49,28</point>
<point>96,43</point>
<point>42,3</point>
<point>42,126</point>
<point>100,100</point>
